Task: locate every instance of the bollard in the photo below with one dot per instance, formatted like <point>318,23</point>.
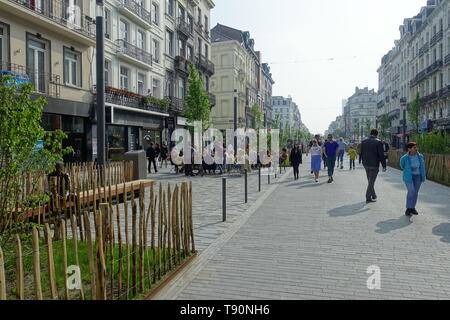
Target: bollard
<point>259,179</point>
<point>246,194</point>
<point>224,199</point>
<point>268,176</point>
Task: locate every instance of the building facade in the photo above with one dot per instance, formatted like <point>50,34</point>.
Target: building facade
<point>237,75</point>
<point>53,49</point>
<point>286,114</point>
<point>418,63</point>
<point>360,113</point>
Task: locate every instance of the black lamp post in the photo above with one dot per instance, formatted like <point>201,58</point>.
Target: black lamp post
<point>100,59</point>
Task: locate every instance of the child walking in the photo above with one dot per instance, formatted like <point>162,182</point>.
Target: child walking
<point>352,154</point>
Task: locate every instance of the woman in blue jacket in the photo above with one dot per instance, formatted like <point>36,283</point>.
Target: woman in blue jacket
<point>413,165</point>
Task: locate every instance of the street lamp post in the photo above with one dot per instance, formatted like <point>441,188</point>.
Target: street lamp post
<point>235,122</point>
<point>100,48</point>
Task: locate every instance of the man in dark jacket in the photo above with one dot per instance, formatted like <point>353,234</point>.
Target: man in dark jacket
<point>372,155</point>
<point>296,159</point>
<point>151,155</point>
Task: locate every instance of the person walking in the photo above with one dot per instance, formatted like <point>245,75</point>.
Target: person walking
<point>386,149</point>
<point>358,150</point>
<point>283,158</point>
<point>342,148</point>
<point>296,160</point>
<point>316,159</point>
<point>372,155</point>
<point>352,154</point>
<point>414,174</point>
<point>330,149</point>
<point>158,154</point>
<point>151,155</point>
<point>164,152</point>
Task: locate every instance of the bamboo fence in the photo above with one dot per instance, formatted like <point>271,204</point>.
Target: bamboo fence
<point>437,166</point>
<point>108,237</point>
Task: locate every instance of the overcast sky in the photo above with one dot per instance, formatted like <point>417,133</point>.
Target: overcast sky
<point>298,37</point>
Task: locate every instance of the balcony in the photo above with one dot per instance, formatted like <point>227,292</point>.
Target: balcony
<point>430,98</point>
<point>447,60</point>
<point>380,104</point>
<point>182,65</point>
<point>394,94</point>
<point>394,114</point>
<point>436,38</point>
<point>424,49</point>
<point>444,92</point>
<point>403,100</point>
<point>44,83</point>
<point>135,12</point>
<point>176,104</point>
<point>204,64</point>
<point>434,67</point>
<point>131,99</point>
<point>55,15</point>
<point>134,53</point>
<point>212,99</point>
<point>184,28</point>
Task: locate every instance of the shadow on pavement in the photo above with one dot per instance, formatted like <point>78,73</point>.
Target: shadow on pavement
<point>393,224</point>
<point>443,230</point>
<point>349,210</point>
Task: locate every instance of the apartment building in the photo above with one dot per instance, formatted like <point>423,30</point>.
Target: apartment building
<point>419,62</point>
<point>237,75</point>
<point>267,103</point>
<point>50,43</point>
<point>360,113</point>
<point>286,112</point>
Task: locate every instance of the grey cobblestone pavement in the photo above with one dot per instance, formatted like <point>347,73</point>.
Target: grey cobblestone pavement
<point>316,241</point>
<point>207,200</point>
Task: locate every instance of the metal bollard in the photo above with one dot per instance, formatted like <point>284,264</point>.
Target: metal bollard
<point>268,176</point>
<point>224,199</point>
<point>259,179</point>
<point>246,190</point>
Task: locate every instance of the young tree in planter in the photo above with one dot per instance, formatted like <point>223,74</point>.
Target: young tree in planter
<point>197,101</point>
<point>20,132</point>
<point>384,125</point>
<point>257,114</point>
<point>414,113</point>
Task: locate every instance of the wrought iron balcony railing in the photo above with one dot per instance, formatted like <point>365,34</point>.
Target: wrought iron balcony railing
<point>137,9</point>
<point>62,13</point>
<point>434,67</point>
<point>44,83</point>
<point>133,51</point>
<point>176,104</point>
<point>447,60</point>
<point>436,38</point>
<point>424,49</point>
<point>184,27</point>
<point>205,64</point>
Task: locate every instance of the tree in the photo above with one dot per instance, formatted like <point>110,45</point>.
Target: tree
<point>257,114</point>
<point>414,113</point>
<point>368,126</point>
<point>20,132</point>
<point>384,125</point>
<point>197,101</point>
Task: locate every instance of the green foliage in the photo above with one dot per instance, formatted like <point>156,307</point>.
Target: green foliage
<point>197,100</point>
<point>20,132</point>
<point>258,124</point>
<point>164,103</point>
<point>433,143</point>
<point>414,112</point>
<point>384,125</point>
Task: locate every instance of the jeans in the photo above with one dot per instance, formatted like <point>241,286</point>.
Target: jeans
<point>341,157</point>
<point>331,162</point>
<point>296,170</point>
<point>352,163</point>
<point>413,191</point>
<point>372,174</point>
<point>150,161</point>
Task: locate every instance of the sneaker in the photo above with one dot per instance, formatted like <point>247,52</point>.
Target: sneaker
<point>329,180</point>
<point>408,213</point>
<point>414,212</point>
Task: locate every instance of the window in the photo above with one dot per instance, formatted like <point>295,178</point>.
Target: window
<point>199,18</point>
<point>107,73</point>
<point>108,24</point>
<point>169,7</point>
<point>72,67</point>
<point>155,88</point>
<point>155,13</point>
<point>190,22</point>
<point>156,51</point>
<point>37,64</point>
<point>140,41</point>
<point>199,46</point>
<point>169,84</point>
<point>141,84</point>
<point>181,88</point>
<point>182,45</point>
<point>206,23</point>
<point>4,35</point>
<point>206,51</point>
<point>181,13</point>
<point>124,78</point>
<point>124,30</point>
<point>190,53</point>
<point>169,43</point>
